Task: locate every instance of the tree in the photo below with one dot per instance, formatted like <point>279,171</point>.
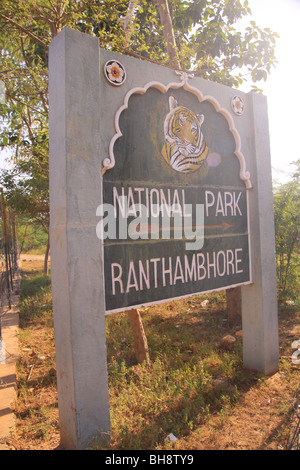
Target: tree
<point>207,38</point>
<point>166,22</point>
<point>204,38</point>
<point>27,192</point>
<point>26,29</point>
<point>287,232</point>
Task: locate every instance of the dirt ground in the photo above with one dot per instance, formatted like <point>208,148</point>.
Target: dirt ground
<point>264,419</point>
<point>260,420</point>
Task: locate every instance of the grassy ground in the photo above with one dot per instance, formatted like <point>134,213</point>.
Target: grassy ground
<point>193,388</point>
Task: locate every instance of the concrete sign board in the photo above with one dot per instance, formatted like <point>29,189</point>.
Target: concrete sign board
<point>179,190</point>
<point>160,188</point>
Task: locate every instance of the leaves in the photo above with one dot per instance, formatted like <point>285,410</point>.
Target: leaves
<point>287,230</point>
<point>207,37</point>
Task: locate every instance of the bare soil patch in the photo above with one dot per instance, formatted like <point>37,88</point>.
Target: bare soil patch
<point>259,420</point>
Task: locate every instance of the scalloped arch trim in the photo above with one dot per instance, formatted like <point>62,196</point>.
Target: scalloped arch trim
<point>109,162</point>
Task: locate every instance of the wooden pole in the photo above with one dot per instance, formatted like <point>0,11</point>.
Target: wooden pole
<point>9,247</point>
<point>5,246</point>
<point>234,304</point>
<point>15,241</point>
<point>24,236</point>
<point>141,344</point>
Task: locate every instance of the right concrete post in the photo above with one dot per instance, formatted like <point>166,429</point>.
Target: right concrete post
<point>259,300</point>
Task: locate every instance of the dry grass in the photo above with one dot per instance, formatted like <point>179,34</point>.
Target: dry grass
<point>192,388</point>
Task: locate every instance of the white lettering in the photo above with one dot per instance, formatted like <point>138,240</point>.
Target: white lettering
<point>221,254</point>
<point>237,260</point>
<point>167,271</point>
<point>220,208</point>
<point>190,273</point>
<point>131,274</point>
<point>165,206</point>
<point>201,267</point>
<point>116,460</point>
<point>143,275</point>
<point>120,201</point>
<point>176,206</point>
<point>212,264</point>
<point>223,204</point>
<point>229,261</point>
<point>130,204</point>
<point>235,203</point>
<point>116,279</point>
<point>228,202</point>
<point>154,202</point>
<point>178,268</point>
<point>155,261</point>
<point>155,273</point>
<point>209,203</point>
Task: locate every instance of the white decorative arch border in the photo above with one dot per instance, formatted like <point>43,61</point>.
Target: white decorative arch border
<point>109,162</point>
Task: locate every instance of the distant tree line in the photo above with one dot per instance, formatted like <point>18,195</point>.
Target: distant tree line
<point>287,232</point>
<point>202,36</point>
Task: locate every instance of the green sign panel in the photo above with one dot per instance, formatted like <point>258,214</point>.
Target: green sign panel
<point>175,200</point>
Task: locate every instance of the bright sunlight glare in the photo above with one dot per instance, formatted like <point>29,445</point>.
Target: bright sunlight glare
<point>282,86</point>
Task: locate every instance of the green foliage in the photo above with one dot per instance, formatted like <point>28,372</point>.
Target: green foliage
<point>34,286</point>
<point>27,189</point>
<point>287,231</point>
<point>35,300</point>
<point>188,380</point>
<point>31,238</point>
<point>208,39</point>
<point>208,42</point>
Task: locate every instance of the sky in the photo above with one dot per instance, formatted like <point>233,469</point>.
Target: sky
<point>282,86</point>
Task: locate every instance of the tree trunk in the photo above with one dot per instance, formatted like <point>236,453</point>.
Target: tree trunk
<point>46,259</point>
<point>127,22</point>
<point>165,19</point>
<point>140,339</point>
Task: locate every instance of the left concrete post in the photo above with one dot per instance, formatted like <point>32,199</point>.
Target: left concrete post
<point>76,252</point>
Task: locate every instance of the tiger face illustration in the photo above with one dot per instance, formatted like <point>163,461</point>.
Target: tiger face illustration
<point>184,148</point>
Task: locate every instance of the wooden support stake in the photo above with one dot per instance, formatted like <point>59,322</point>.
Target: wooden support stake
<point>141,344</point>
<point>234,304</point>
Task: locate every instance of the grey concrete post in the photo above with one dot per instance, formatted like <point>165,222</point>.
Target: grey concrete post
<point>259,300</point>
<point>76,252</point>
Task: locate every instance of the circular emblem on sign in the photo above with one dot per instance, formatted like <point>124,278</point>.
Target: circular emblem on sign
<point>115,72</point>
<point>237,105</point>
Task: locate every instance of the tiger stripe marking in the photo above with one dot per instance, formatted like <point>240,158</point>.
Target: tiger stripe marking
<point>184,149</point>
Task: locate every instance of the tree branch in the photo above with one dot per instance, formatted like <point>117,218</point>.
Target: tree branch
<point>24,30</point>
<point>127,21</point>
<point>165,18</point>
